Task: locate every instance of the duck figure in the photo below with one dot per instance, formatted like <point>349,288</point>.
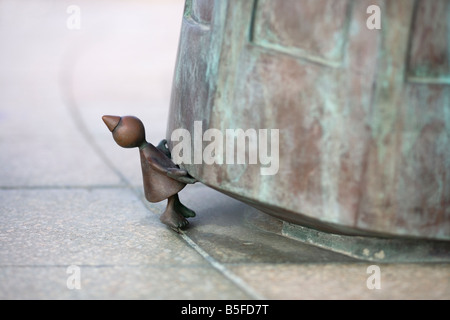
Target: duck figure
<point>163,179</point>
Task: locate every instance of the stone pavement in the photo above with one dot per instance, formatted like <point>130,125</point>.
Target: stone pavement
<point>71,205</point>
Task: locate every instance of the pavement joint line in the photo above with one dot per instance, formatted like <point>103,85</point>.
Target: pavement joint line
<point>62,187</point>
<point>150,266</point>
<point>66,87</point>
<point>241,284</point>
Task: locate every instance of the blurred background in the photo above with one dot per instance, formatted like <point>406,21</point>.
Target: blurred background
<point>61,69</point>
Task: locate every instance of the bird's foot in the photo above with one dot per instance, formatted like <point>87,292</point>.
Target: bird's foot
<point>173,219</point>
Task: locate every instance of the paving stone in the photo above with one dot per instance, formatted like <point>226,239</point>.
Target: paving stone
<point>117,282</point>
<point>228,230</point>
<point>52,163</point>
<point>348,281</point>
<point>85,227</point>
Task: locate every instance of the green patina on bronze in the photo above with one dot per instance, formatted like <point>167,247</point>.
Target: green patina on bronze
<point>364,115</point>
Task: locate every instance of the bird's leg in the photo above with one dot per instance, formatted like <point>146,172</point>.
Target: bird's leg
<point>182,209</point>
<point>171,216</point>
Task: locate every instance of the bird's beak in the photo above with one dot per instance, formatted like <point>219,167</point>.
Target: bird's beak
<point>111,122</point>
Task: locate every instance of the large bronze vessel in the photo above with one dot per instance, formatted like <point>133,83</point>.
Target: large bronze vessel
<point>363,113</point>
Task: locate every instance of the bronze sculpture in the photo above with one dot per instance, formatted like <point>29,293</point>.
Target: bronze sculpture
<point>162,178</point>
<point>364,114</point>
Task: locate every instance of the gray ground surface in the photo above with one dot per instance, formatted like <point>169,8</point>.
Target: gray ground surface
<point>71,199</point>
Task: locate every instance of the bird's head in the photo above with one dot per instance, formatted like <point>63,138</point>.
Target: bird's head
<point>127,131</point>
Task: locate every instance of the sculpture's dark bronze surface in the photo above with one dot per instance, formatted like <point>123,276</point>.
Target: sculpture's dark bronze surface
<point>162,178</point>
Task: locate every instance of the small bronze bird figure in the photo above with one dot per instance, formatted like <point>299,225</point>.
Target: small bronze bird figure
<point>163,179</point>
